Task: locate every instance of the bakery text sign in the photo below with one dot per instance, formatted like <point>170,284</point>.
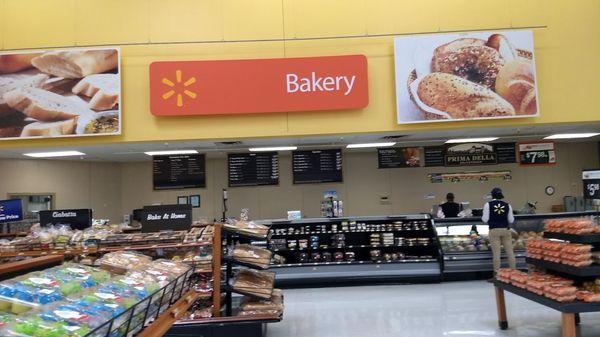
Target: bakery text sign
<point>258,85</point>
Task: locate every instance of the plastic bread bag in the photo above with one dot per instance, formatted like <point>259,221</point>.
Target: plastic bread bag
<point>250,254</point>
<point>247,227</point>
<point>121,261</point>
<point>275,303</point>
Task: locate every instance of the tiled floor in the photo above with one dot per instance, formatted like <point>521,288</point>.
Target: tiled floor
<point>457,309</point>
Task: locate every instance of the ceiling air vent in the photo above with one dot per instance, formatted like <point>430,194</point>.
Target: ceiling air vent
<point>393,137</point>
<point>232,143</point>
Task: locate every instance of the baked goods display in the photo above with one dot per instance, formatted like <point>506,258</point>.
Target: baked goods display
<point>255,283</point>
<point>247,228</point>
<point>252,255</point>
<point>58,93</point>
<point>577,226</point>
<point>576,255</point>
<point>466,76</point>
<point>272,306</point>
<point>75,299</point>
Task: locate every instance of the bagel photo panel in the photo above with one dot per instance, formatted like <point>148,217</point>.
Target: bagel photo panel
<point>60,93</point>
<point>465,76</point>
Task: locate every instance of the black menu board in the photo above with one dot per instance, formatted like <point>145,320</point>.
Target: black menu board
<point>506,153</point>
<point>434,155</point>
<point>179,171</point>
<point>253,169</point>
<point>317,166</point>
<point>392,157</point>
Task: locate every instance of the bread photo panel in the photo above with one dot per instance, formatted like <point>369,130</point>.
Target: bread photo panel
<point>60,93</point>
<point>466,76</point>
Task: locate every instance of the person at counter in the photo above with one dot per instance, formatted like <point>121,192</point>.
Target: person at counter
<point>498,214</point>
<point>450,209</point>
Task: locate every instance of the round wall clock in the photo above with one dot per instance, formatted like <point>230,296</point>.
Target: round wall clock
<point>549,190</point>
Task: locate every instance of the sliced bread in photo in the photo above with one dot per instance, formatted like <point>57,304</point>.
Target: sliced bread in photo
<point>53,129</point>
<point>103,89</point>
<point>44,105</point>
<point>76,63</point>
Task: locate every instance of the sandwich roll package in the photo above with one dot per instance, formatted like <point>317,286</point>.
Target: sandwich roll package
<point>247,228</point>
<point>256,283</point>
<point>272,306</point>
<point>253,255</point>
<point>120,262</point>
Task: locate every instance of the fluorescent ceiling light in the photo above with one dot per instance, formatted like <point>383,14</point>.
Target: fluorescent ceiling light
<point>571,135</point>
<point>365,145</point>
<point>170,152</point>
<point>471,140</point>
<point>54,154</point>
<point>273,148</point>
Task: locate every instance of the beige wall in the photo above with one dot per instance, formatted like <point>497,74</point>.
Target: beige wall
<point>113,189</point>
<point>75,184</point>
<point>364,184</point>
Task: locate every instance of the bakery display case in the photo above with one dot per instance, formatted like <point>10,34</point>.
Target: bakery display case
<point>465,245</point>
<point>320,250</point>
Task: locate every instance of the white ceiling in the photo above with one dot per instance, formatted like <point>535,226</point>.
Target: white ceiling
<point>131,152</point>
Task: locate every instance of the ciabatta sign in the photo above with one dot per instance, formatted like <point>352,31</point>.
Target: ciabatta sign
<point>258,85</point>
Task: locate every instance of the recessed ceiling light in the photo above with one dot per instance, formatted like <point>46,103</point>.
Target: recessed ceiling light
<point>170,152</point>
<point>366,145</point>
<point>571,135</point>
<point>471,140</point>
<point>273,148</point>
<point>54,154</point>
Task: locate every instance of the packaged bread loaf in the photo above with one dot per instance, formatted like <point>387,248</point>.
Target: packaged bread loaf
<point>259,284</point>
<point>252,255</point>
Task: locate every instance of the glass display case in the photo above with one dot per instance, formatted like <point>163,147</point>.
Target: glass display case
<point>465,245</point>
<point>403,247</point>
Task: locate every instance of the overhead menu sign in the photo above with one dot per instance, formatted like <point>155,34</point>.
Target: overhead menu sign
<point>179,171</point>
<point>317,166</point>
<point>470,154</point>
<point>591,184</point>
<point>506,153</point>
<point>76,218</point>
<point>166,217</point>
<point>434,155</point>
<point>11,210</point>
<point>539,153</point>
<point>392,157</point>
<point>253,169</point>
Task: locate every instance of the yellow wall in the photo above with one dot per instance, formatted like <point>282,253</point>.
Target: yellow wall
<point>566,52</point>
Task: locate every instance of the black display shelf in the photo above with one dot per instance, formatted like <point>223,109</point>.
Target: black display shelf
<point>591,271</point>
<point>349,247</point>
<point>336,263</point>
<point>354,232</point>
<point>574,238</point>
<point>243,264</point>
<point>567,307</point>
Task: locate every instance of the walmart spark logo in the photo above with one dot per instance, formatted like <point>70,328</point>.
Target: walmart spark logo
<point>499,209</point>
<point>178,89</point>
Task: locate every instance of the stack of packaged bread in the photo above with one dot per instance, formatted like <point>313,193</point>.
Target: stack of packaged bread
<point>554,287</point>
<point>577,226</point>
<point>573,254</point>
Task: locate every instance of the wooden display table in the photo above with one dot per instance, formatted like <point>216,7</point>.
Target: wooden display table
<point>570,311</point>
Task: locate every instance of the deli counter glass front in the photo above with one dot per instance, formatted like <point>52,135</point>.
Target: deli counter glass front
<point>465,244</point>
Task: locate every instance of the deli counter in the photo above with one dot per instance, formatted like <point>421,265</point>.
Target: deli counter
<point>465,245</point>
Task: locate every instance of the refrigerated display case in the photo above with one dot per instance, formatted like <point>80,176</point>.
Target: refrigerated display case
<point>350,249</point>
<point>465,250</point>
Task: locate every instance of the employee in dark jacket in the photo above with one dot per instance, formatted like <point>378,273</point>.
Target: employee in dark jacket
<point>499,216</point>
<point>450,208</point>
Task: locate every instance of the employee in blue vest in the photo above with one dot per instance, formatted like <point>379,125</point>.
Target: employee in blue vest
<point>498,214</point>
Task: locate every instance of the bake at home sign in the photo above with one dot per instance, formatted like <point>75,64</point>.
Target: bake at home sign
<point>166,216</point>
<point>258,85</point>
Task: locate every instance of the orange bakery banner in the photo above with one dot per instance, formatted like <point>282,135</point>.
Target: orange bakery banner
<point>258,85</point>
